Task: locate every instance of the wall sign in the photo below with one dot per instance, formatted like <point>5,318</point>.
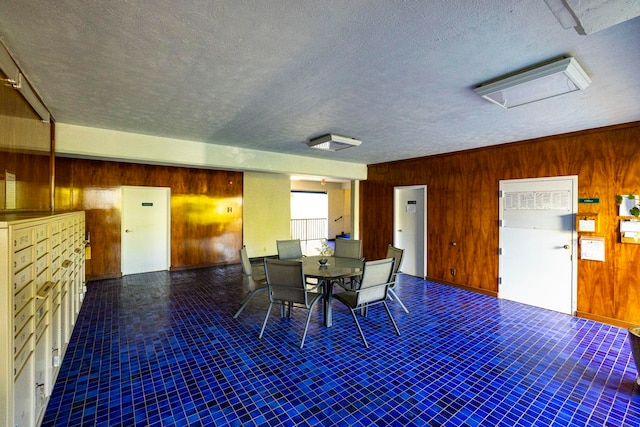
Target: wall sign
<point>589,200</point>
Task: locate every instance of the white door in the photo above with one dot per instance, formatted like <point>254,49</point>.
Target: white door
<point>410,224</point>
<point>146,228</point>
<point>537,242</point>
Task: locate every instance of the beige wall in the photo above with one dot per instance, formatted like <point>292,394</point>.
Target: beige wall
<point>105,144</point>
<point>266,212</point>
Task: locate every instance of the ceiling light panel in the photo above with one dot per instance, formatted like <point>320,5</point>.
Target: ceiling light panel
<point>332,142</point>
<point>549,80</point>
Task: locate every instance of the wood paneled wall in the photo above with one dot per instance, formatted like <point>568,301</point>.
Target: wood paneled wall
<point>206,210</point>
<point>462,193</point>
<point>25,151</point>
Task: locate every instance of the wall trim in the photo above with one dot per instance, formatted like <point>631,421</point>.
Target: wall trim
<point>603,319</point>
<point>465,287</point>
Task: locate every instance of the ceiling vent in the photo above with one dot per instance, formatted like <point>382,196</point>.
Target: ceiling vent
<point>332,142</point>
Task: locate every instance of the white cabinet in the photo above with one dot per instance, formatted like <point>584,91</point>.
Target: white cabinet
<point>42,285</point>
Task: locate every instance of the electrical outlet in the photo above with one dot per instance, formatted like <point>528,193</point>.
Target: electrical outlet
<point>453,271</point>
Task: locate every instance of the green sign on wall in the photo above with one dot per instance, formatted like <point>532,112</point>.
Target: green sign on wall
<point>591,200</point>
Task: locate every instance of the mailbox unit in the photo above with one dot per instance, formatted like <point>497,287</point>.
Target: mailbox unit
<point>42,284</point>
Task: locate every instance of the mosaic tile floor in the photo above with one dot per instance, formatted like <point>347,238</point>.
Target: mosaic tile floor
<point>162,349</point>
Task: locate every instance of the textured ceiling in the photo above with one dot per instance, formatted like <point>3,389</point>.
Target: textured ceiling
<point>269,75</point>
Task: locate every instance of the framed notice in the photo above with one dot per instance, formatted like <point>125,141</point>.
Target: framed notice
<point>10,190</point>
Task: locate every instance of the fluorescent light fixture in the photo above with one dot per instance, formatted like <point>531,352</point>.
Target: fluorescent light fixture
<point>546,81</point>
<point>331,142</point>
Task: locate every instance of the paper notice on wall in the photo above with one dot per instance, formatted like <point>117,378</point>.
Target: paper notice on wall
<point>10,191</point>
<point>537,200</point>
<point>592,248</point>
<point>630,226</point>
<point>587,225</point>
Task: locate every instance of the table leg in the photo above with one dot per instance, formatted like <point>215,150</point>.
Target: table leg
<point>328,291</point>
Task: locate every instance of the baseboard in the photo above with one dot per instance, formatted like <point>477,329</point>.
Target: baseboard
<point>465,287</point>
<point>602,319</point>
<point>103,277</point>
<point>607,320</point>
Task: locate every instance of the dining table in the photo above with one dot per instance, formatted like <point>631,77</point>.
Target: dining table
<point>335,269</point>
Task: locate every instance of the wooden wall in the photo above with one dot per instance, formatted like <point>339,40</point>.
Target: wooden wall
<point>25,151</point>
<point>203,231</point>
<point>462,192</point>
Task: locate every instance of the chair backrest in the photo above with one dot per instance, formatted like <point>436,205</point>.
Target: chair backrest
<point>395,253</point>
<point>247,270</point>
<point>375,273</point>
<point>289,249</point>
<point>348,248</point>
<point>286,280</point>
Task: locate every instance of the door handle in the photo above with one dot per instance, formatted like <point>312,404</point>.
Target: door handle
<point>566,246</point>
<point>400,231</point>
<point>128,231</point>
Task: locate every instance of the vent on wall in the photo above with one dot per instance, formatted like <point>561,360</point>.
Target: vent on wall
<point>331,142</point>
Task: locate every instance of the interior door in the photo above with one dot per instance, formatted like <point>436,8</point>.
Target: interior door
<point>145,229</point>
<point>537,242</point>
<point>410,223</point>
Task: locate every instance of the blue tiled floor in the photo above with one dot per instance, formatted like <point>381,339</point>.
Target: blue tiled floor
<point>162,349</point>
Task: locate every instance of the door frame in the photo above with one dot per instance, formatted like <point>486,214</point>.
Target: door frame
<point>574,234</point>
<point>167,191</point>
<point>396,201</point>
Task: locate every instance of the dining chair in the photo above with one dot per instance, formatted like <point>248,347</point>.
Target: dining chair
<point>292,249</point>
<point>396,254</point>
<point>373,289</point>
<point>252,279</point>
<point>289,249</point>
<point>286,284</point>
<point>348,249</point>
